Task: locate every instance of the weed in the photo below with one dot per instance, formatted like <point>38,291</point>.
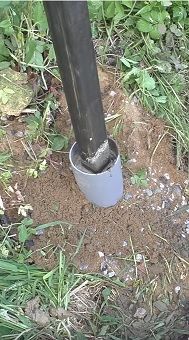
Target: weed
<point>5,165</point>
<point>149,42</point>
<point>140,178</point>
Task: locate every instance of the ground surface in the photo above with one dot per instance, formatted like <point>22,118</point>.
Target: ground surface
<point>145,236</point>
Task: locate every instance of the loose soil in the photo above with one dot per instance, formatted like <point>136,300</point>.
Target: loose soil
<point>145,236</point>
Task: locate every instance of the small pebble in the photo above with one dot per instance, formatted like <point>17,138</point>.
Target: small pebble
<point>125,243</point>
<point>139,257</point>
<point>187,230</point>
<point>157,191</point>
<point>100,254</point>
<point>140,313</point>
<point>148,192</point>
<point>177,289</point>
<point>133,160</point>
<point>112,93</point>
<point>111,274</point>
<point>83,266</point>
<point>166,176</point>
<point>128,196</point>
<point>39,232</point>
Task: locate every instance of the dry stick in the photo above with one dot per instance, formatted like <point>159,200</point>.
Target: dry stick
<point>136,271</point>
<point>157,145</point>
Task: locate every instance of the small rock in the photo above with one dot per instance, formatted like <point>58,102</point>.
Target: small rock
<point>187,229</point>
<point>184,201</point>
<point>162,186</point>
<point>177,289</point>
<point>18,134</point>
<point>157,191</point>
<point>163,180</point>
<point>128,196</point>
<point>83,266</point>
<point>100,254</point>
<point>112,93</point>
<point>139,257</point>
<point>140,313</point>
<point>104,268</point>
<point>148,192</point>
<point>111,274</point>
<point>125,243</point>
<point>177,190</point>
<point>166,176</point>
<point>39,232</point>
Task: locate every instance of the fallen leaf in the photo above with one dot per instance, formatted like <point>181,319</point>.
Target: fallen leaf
<point>17,92</point>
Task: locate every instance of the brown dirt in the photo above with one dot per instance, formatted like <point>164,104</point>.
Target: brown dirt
<point>145,221</point>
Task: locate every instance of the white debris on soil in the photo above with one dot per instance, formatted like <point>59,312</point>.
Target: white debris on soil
<point>127,196</point>
<point>83,266</point>
<point>148,192</point>
<point>166,176</point>
<point>100,254</point>
<point>177,289</point>
<point>184,201</point>
<point>112,93</point>
<point>24,209</point>
<point>111,274</point>
<point>125,243</point>
<point>140,313</point>
<point>139,257</point>
<point>1,204</point>
<point>132,160</point>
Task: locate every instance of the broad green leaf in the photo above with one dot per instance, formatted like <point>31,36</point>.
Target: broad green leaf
<point>110,10</point>
<point>135,71</point>
<point>162,28</point>
<point>4,51</point>
<point>27,221</point>
<point>39,16</point>
<point>175,30</point>
<point>146,81</point>
<point>30,49</point>
<point>4,99</point>
<point>51,54</point>
<point>161,99</point>
<point>58,142</point>
<point>4,65</point>
<point>125,62</point>
<point>144,26</point>
<point>144,9</point>
<point>154,33</point>
<point>5,23</point>
<point>166,3</point>
<point>22,233</point>
<point>4,4</point>
<point>9,91</point>
<point>128,3</point>
<point>103,330</point>
<point>37,59</point>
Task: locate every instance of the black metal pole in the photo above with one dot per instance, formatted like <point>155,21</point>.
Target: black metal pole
<point>71,34</point>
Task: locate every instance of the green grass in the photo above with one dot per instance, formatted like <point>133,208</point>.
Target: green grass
<point>147,41</point>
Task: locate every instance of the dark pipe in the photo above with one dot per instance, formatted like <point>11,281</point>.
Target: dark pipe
<point>71,34</point>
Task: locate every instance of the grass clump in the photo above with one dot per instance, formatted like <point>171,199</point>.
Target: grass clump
<point>149,43</point>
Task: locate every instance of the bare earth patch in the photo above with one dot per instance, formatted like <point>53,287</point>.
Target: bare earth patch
<point>143,240</point>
